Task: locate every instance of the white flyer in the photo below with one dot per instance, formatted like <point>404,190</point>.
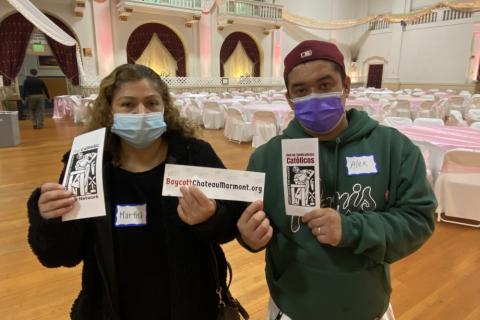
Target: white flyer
<point>83,176</point>
<point>215,183</point>
<point>301,175</point>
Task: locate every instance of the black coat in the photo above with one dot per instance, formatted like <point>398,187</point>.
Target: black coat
<point>190,261</point>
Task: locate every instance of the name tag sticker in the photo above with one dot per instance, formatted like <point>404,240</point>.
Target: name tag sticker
<point>131,215</point>
<point>361,165</point>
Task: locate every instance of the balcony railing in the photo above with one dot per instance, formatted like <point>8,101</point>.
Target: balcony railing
<point>378,25</point>
<point>184,4</point>
<point>251,9</point>
<point>196,84</point>
<point>126,7</point>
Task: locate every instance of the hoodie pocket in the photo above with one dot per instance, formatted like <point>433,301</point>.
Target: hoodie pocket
<point>302,291</point>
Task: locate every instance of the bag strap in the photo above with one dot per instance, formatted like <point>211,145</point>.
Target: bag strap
<point>217,280</point>
<point>219,289</point>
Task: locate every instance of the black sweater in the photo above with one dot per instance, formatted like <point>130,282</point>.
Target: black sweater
<point>189,260</point>
<point>33,86</point>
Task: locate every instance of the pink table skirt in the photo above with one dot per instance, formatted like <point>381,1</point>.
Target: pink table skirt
<point>63,107</point>
<point>444,137</point>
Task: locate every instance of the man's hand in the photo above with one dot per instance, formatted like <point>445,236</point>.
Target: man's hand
<point>325,224</point>
<point>194,207</point>
<point>254,226</point>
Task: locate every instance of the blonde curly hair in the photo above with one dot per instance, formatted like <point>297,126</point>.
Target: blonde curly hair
<point>102,116</point>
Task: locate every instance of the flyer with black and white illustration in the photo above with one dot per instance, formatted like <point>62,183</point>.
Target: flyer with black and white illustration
<point>301,175</point>
<point>83,176</point>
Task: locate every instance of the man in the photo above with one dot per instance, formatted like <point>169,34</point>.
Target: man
<point>376,205</point>
<point>34,92</point>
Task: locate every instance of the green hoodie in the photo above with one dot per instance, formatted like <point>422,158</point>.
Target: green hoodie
<point>385,217</point>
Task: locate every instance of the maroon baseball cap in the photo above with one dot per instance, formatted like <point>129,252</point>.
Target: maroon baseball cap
<point>310,50</point>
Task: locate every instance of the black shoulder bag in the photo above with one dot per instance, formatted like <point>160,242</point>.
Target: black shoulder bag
<point>231,309</point>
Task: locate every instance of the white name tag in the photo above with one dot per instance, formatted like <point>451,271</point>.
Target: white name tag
<point>131,215</point>
<point>363,165</point>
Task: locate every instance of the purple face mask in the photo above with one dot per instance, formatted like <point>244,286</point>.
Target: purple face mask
<point>319,113</point>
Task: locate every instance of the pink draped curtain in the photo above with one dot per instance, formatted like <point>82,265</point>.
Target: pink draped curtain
<point>15,32</point>
<point>248,44</point>
<point>140,38</point>
<point>65,55</point>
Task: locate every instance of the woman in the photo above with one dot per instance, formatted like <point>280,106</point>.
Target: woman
<point>161,269</point>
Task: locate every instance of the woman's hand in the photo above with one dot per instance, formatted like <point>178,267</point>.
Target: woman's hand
<point>194,207</point>
<point>55,201</point>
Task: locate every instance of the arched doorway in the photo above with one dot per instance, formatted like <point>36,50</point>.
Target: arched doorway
<point>15,33</point>
<point>143,36</point>
<point>231,44</point>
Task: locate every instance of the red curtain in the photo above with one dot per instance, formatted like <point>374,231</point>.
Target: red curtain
<point>250,46</point>
<point>15,32</point>
<point>65,55</point>
<point>140,38</point>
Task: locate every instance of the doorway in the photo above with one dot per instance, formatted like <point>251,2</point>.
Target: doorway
<point>375,74</point>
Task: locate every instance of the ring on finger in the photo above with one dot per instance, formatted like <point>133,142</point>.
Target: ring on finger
<point>319,229</point>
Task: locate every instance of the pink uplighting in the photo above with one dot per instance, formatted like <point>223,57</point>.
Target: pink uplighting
<point>205,45</point>
<point>277,53</point>
<point>103,29</point>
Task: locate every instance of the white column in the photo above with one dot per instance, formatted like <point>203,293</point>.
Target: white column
<point>103,37</point>
<point>475,56</point>
<point>392,74</point>
<point>205,47</point>
<point>277,63</point>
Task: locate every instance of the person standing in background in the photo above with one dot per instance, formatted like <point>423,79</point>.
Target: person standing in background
<point>34,93</point>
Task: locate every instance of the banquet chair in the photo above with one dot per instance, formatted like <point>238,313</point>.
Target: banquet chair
<point>473,115</point>
<point>237,129</point>
<point>397,121</point>
<point>286,121</point>
<point>76,105</point>
<point>400,108</point>
<point>428,97</point>
<point>193,112</point>
<point>213,116</point>
<point>264,125</point>
<point>458,186</point>
<point>179,104</point>
<point>455,103</point>
<point>428,122</point>
<point>227,95</point>
<point>475,101</point>
<point>455,119</point>
<point>475,125</point>
<point>426,110</point>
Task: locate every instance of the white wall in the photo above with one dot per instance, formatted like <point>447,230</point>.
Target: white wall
<point>417,4</point>
<point>31,62</point>
<point>375,49</point>
<point>436,54</point>
<point>379,6</point>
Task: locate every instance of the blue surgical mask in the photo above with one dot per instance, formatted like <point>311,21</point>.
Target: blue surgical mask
<point>320,113</point>
<point>139,130</point>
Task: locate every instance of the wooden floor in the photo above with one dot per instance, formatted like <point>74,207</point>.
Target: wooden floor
<point>439,282</point>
